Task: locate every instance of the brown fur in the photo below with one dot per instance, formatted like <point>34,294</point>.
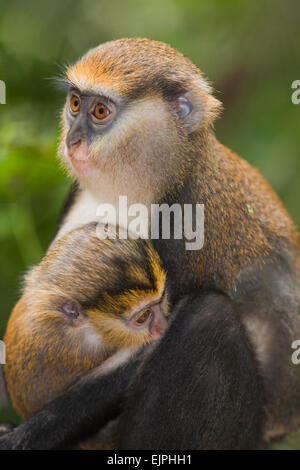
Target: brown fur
<point>251,247</point>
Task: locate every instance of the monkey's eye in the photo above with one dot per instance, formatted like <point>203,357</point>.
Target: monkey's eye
<point>75,104</point>
<point>71,308</point>
<point>101,112</point>
<point>143,317</point>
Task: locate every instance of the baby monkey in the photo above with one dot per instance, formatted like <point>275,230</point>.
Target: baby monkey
<point>90,302</point>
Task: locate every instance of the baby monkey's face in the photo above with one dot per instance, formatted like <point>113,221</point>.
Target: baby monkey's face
<point>127,319</point>
<point>111,288</point>
<point>116,323</point>
<point>85,301</point>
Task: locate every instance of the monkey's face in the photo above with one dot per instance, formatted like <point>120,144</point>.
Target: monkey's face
<point>110,141</point>
<point>131,318</point>
<point>111,291</point>
<point>131,107</point>
<point>127,320</point>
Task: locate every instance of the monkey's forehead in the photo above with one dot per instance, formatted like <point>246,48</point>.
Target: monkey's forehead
<point>126,64</point>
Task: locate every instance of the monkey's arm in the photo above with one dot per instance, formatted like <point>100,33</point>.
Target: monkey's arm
<point>79,412</point>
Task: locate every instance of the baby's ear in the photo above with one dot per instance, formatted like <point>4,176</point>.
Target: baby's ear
<point>197,108</point>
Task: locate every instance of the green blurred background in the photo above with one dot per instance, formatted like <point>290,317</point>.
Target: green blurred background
<point>249,49</point>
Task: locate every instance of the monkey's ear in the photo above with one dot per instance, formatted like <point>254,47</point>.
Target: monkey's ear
<point>197,108</point>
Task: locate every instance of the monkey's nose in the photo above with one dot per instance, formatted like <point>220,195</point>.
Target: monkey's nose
<point>78,153</point>
<point>159,323</point>
<point>73,143</point>
<point>74,148</point>
<point>75,138</point>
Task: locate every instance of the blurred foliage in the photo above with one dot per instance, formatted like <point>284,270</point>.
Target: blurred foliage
<point>248,49</point>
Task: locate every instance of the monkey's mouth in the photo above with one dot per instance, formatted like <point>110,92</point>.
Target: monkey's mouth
<point>83,166</point>
<point>80,158</point>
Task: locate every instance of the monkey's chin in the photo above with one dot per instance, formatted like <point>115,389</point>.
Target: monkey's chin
<point>83,167</point>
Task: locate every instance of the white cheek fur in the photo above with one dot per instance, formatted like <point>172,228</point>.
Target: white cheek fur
<point>122,356</point>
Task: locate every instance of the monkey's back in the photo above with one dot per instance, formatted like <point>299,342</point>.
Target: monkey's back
<point>251,253</point>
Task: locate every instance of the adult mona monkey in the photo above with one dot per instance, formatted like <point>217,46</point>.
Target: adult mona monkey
<point>138,122</point>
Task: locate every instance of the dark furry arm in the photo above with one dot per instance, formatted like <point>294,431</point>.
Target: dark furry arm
<point>200,388</point>
<point>82,410</point>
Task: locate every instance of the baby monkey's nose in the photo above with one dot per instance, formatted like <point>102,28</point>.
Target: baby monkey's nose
<point>159,323</point>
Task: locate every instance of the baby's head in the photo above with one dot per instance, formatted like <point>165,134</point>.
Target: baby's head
<point>87,299</point>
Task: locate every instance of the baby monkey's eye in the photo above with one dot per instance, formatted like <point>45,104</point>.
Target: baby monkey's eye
<point>71,308</point>
<point>145,315</point>
<point>75,104</point>
<point>101,111</point>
